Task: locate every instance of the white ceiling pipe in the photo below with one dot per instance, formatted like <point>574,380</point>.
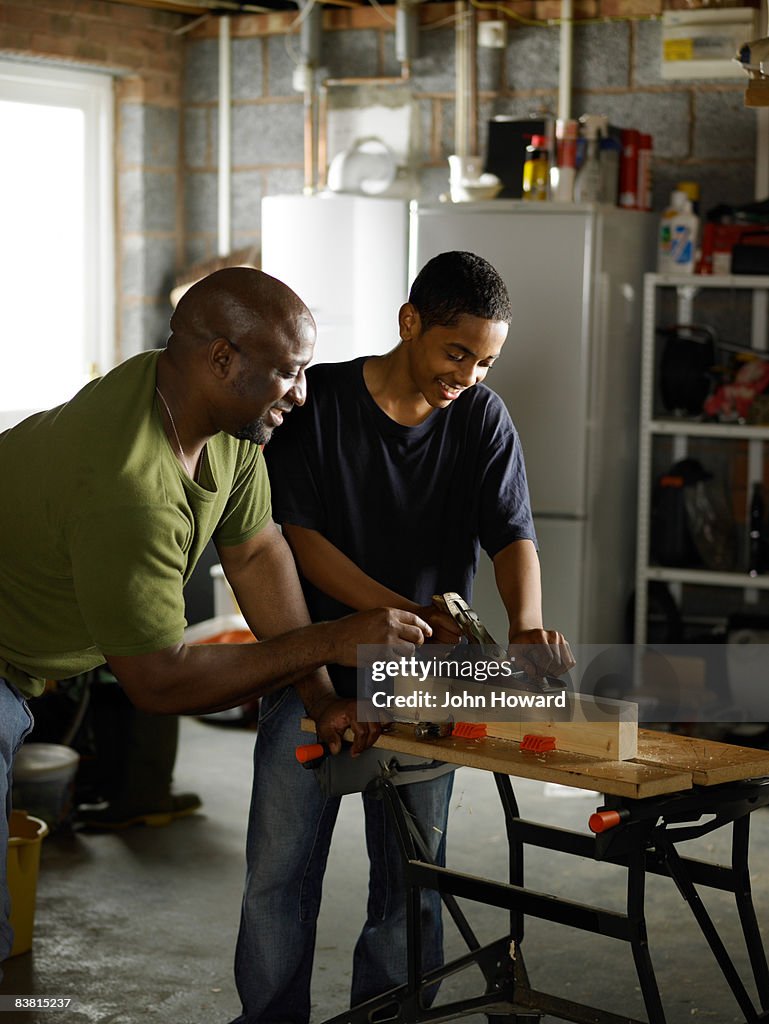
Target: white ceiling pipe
<point>310,44</point>
<point>460,74</point>
<point>565,60</point>
<point>224,241</point>
<point>466,97</point>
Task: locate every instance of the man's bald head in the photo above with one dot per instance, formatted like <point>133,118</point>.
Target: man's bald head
<point>240,342</point>
<point>237,303</point>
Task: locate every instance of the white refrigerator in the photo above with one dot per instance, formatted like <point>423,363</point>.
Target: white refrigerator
<point>569,375</point>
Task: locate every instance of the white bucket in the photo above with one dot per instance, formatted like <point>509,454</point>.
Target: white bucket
<point>43,777</point>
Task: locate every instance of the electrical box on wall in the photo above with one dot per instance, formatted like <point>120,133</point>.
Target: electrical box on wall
<point>702,43</point>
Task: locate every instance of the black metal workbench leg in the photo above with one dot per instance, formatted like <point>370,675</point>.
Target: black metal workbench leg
<point>520,979</point>
<point>515,847</point>
<point>639,942</point>
<point>697,907</point>
<point>746,910</point>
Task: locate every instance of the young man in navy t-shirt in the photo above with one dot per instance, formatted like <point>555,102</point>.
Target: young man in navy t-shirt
<point>387,483</point>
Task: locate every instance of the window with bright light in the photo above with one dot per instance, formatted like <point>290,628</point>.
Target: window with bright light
<point>56,234</point>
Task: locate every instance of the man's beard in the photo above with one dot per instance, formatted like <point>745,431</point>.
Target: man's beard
<point>257,432</point>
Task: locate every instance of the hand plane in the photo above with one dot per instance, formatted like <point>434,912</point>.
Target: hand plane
<point>476,633</point>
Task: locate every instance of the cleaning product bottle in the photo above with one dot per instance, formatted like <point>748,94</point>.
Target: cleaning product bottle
<point>609,151</point>
<point>587,184</point>
<point>536,169</point>
<point>677,236</point>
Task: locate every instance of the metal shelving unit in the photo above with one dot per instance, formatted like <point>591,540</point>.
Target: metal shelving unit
<point>686,289</point>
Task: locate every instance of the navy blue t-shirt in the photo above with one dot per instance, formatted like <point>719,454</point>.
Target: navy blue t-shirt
<point>410,506</point>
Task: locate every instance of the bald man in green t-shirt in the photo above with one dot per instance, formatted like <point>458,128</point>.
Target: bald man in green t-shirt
<point>110,498</point>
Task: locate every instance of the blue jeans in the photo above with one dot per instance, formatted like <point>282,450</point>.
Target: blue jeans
<point>15,723</point>
<point>289,834</point>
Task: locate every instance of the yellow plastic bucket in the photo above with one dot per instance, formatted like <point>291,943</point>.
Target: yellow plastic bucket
<point>26,835</point>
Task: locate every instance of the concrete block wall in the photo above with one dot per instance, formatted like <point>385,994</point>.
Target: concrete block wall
<point>166,84</point>
<point>702,130</point>
<point>143,50</point>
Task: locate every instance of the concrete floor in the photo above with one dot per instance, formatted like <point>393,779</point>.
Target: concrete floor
<point>141,926</point>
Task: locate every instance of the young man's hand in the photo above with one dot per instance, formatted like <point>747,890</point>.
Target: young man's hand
<point>541,652</point>
<point>445,629</point>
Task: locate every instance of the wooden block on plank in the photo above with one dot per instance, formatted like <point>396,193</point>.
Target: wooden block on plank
<point>607,740</point>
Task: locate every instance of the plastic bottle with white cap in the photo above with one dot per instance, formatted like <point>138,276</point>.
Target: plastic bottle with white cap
<point>678,236</point>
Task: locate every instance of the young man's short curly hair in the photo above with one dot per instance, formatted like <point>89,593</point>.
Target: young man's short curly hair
<point>455,284</point>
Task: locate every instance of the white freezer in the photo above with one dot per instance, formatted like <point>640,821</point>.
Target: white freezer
<point>346,258</point>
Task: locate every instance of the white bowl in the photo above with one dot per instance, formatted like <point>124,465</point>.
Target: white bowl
<point>468,190</point>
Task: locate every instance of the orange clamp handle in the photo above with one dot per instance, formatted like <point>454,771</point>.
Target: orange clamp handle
<point>310,752</point>
<point>602,821</point>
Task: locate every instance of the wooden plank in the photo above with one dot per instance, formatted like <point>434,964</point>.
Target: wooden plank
<point>580,771</point>
<point>709,762</point>
<point>603,729</point>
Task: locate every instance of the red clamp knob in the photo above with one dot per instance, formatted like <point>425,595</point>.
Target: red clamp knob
<point>602,821</point>
<point>310,754</point>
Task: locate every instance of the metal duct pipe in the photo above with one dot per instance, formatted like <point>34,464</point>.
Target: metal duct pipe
<point>472,76</point>
<point>311,32</point>
<point>224,243</point>
<point>310,40</point>
<point>466,101</point>
<point>406,32</point>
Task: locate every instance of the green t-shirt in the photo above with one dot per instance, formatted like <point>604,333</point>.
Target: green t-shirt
<point>100,527</point>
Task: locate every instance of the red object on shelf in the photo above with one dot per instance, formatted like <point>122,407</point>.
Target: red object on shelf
<point>718,240</point>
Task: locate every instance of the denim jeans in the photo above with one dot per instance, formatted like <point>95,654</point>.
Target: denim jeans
<point>289,834</point>
<point>15,723</point>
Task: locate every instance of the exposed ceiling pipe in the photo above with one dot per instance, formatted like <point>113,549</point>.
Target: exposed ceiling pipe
<point>310,42</point>
<point>406,34</point>
<point>565,60</point>
<point>466,102</point>
<point>472,75</point>
<point>224,240</point>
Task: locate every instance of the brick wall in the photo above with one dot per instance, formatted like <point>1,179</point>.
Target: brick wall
<point>702,130</point>
<point>142,49</point>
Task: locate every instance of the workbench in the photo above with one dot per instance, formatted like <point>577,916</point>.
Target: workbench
<point>677,788</point>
